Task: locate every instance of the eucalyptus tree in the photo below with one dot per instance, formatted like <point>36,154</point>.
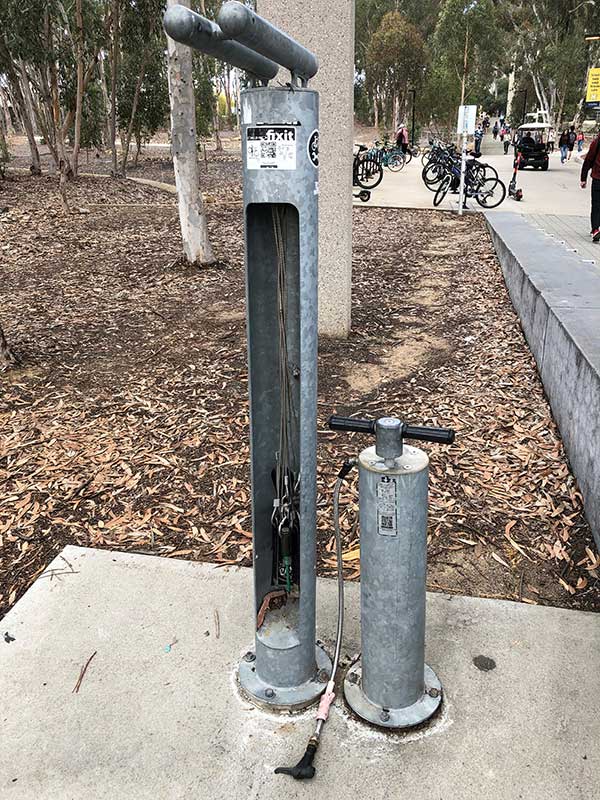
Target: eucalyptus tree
<point>142,86</point>
<point>547,40</point>
<point>395,61</point>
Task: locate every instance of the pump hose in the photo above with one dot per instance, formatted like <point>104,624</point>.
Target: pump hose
<point>304,768</point>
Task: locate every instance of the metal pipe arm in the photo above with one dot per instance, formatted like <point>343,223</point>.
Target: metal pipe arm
<point>199,33</point>
<point>239,22</point>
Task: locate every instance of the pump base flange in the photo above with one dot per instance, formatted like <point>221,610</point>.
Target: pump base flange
<point>284,698</point>
<point>397,718</point>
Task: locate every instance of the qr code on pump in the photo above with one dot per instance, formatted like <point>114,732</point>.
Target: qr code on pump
<point>387,521</point>
<point>268,150</point>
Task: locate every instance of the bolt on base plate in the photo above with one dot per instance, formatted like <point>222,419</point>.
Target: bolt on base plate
<point>407,717</point>
<point>284,698</point>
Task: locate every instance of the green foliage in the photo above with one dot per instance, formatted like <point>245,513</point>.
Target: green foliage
<point>396,59</point>
<point>362,106</point>
<point>203,70</point>
<point>93,117</point>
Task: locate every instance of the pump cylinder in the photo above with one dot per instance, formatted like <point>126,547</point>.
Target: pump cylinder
<point>391,685</point>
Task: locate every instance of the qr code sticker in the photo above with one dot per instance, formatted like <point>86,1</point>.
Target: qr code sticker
<point>387,522</point>
<point>268,149</point>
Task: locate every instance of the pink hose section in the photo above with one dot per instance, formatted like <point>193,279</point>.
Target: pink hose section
<point>327,699</point>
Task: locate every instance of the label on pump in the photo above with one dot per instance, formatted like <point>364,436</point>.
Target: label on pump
<point>386,507</point>
<point>271,147</point>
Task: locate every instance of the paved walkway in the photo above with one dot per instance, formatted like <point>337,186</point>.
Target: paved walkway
<point>570,231</point>
<point>553,192</point>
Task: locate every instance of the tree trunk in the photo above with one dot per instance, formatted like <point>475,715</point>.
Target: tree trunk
<point>80,70</point>
<point>138,147</point>
<point>4,154</point>
<point>62,186</point>
<point>194,231</point>
<point>7,357</point>
<point>15,85</point>
<point>218,142</point>
<point>113,85</point>
<point>375,111</point>
<point>106,98</point>
<point>136,97</point>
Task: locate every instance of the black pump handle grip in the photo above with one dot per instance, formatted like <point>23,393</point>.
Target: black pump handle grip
<point>428,434</point>
<point>351,424</point>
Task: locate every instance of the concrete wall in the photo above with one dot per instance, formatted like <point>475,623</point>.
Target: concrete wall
<point>557,297</point>
<point>327,28</point>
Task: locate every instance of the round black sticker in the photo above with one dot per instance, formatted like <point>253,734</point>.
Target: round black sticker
<point>313,148</point>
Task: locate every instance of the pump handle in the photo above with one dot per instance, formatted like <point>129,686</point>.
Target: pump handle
<point>351,424</point>
<point>428,434</point>
<point>423,433</point>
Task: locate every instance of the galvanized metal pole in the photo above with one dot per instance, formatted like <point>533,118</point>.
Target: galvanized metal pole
<point>239,22</point>
<point>391,685</point>
<point>279,140</point>
<point>199,33</point>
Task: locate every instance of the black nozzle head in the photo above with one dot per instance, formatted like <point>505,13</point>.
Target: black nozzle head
<point>304,769</point>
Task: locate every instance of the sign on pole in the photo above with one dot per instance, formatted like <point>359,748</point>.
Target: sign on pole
<point>466,119</point>
<point>593,86</point>
<point>592,96</point>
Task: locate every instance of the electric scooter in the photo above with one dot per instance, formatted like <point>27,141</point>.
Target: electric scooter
<point>516,194</point>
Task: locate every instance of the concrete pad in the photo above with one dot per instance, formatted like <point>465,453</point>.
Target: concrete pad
<point>156,722</point>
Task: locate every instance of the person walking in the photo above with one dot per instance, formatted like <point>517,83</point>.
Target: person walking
<point>563,144</point>
<point>580,141</point>
<point>402,138</point>
<point>592,162</point>
<point>478,136</point>
<point>506,138</point>
<point>572,140</point>
<point>551,140</point>
<point>495,130</point>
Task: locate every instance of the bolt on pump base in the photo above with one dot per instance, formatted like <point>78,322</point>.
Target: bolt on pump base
<point>391,686</point>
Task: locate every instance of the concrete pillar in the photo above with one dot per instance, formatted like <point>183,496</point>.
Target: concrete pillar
<point>327,28</point>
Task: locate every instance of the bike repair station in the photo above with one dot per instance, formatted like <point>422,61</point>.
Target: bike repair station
<point>255,663</point>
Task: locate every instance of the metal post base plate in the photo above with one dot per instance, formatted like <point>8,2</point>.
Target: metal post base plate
<point>284,698</point>
<point>407,717</point>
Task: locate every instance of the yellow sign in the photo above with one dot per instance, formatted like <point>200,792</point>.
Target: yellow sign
<point>593,87</point>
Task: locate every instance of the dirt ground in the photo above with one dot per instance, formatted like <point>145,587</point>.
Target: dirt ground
<point>127,425</point>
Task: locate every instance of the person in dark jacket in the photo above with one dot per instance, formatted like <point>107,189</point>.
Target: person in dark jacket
<point>592,162</point>
<point>572,139</point>
<point>563,143</point>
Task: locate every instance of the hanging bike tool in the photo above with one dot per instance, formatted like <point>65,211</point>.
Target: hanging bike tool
<point>391,685</point>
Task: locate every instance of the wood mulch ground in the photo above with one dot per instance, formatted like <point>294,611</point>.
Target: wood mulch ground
<point>127,425</point>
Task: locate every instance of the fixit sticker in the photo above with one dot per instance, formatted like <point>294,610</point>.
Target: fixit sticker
<point>271,147</point>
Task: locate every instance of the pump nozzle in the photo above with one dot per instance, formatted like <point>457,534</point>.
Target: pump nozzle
<point>304,768</point>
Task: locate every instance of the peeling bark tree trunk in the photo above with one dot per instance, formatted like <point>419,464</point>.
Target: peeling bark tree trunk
<point>136,98</point>
<point>80,70</point>
<point>15,86</point>
<point>7,357</point>
<point>114,67</point>
<point>107,104</point>
<point>194,231</point>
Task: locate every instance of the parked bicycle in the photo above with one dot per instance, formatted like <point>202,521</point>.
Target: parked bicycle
<point>388,155</point>
<point>489,192</point>
<point>367,173</point>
